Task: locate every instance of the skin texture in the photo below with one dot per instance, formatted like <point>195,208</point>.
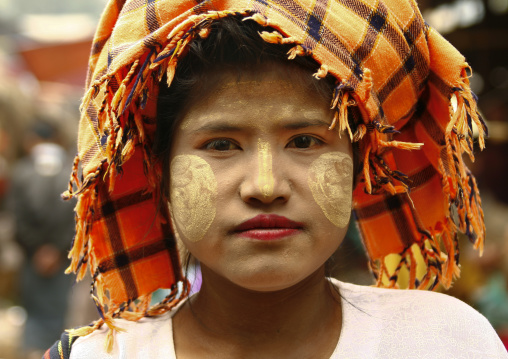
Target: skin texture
<point>260,297</point>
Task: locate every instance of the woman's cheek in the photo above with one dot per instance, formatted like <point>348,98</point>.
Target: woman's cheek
<point>193,195</point>
<point>330,179</point>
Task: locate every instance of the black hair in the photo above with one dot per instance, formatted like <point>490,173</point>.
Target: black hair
<point>233,45</point>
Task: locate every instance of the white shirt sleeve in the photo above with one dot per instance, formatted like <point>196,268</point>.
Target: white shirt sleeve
<point>389,323</point>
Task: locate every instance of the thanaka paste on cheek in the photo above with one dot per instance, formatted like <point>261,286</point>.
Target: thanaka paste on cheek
<point>265,179</point>
<point>331,183</point>
<point>193,192</point>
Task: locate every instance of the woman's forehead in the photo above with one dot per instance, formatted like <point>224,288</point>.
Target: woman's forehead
<point>283,75</point>
<point>267,99</point>
<point>276,90</point>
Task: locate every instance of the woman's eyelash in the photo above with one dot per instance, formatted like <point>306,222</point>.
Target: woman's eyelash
<point>300,141</point>
<point>304,141</point>
<point>221,144</point>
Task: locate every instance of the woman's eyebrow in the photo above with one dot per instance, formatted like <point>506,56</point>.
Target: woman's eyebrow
<point>218,127</point>
<point>228,127</point>
<point>296,125</point>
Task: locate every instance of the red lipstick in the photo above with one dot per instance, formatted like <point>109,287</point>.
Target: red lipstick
<point>268,227</point>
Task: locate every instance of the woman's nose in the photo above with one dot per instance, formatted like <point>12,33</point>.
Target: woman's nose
<point>263,183</point>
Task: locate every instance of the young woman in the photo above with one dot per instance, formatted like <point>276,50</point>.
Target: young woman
<point>198,129</point>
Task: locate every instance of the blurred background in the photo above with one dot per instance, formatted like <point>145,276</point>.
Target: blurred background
<point>44,47</point>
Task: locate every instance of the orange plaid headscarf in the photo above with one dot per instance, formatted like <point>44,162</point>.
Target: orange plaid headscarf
<point>408,83</point>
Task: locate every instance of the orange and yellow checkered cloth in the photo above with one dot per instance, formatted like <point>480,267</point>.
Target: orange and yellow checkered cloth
<point>407,85</point>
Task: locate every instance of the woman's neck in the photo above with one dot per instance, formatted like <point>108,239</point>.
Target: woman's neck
<point>306,316</point>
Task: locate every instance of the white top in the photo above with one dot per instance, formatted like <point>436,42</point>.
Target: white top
<point>377,323</point>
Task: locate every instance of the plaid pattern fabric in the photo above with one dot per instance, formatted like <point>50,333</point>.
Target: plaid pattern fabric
<point>408,84</point>
<point>61,349</point>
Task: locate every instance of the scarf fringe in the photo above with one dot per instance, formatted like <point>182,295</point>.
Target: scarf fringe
<point>274,37</point>
<point>259,18</point>
<point>431,256</point>
<point>460,185</point>
<point>132,311</point>
<point>321,73</point>
<point>439,248</point>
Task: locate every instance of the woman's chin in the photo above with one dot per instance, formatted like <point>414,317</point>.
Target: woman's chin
<point>267,280</point>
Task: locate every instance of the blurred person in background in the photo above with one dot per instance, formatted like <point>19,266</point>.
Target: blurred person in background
<point>484,280</point>
<point>43,225</point>
<point>491,296</point>
<point>15,114</point>
<point>14,117</point>
<point>9,153</point>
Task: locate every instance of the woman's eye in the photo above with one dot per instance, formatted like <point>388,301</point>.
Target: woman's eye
<point>304,141</point>
<point>221,145</point>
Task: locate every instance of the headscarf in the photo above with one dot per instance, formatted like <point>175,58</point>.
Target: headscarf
<point>417,116</point>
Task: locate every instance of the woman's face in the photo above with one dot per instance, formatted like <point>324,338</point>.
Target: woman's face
<point>260,189</point>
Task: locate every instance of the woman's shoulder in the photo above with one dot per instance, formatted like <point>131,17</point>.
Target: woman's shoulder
<point>150,336</point>
<point>417,307</point>
<point>417,302</point>
<point>429,321</point>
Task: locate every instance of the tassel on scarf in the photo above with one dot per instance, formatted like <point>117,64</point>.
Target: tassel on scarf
<point>340,103</point>
<point>321,73</point>
<point>431,257</point>
<point>73,180</point>
<point>274,37</point>
<point>366,169</point>
<point>81,332</point>
<point>119,97</point>
<point>298,50</point>
<point>92,92</point>
<point>343,116</point>
<point>400,145</point>
<point>458,183</point>
<point>81,211</point>
<point>110,340</point>
<point>361,130</point>
<point>204,32</point>
<point>259,18</point>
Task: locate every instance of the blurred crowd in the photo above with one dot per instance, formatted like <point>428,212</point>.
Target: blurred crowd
<point>37,145</point>
<point>41,82</point>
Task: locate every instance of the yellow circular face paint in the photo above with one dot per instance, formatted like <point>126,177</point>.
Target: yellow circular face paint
<point>331,183</point>
<point>193,192</point>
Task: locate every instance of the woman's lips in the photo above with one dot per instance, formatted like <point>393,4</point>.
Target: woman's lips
<point>267,227</point>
